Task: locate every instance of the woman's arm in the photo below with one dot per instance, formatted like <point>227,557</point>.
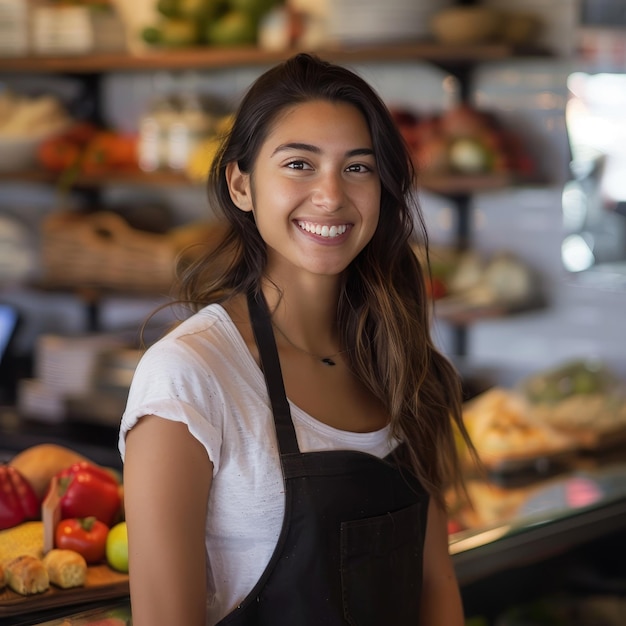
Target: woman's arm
<point>441,599</point>
<point>167,477</point>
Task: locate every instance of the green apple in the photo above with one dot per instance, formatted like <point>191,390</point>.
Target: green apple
<point>151,35</point>
<point>232,29</point>
<point>179,32</point>
<point>116,548</point>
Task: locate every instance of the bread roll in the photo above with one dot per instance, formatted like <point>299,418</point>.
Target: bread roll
<point>38,464</point>
<point>66,568</point>
<point>3,581</point>
<point>27,575</point>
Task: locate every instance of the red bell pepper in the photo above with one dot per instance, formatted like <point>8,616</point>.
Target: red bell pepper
<point>87,536</point>
<point>18,501</point>
<point>88,490</point>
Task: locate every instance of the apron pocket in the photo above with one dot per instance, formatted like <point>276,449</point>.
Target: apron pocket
<point>381,568</point>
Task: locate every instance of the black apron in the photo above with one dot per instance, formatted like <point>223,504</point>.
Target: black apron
<point>351,544</point>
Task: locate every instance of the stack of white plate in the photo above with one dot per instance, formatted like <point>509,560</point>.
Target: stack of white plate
<point>68,364</point>
<point>381,21</point>
<point>64,366</point>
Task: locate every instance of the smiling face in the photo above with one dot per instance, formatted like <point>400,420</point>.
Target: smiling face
<point>314,190</point>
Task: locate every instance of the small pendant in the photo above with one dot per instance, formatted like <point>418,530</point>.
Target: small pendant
<point>327,361</point>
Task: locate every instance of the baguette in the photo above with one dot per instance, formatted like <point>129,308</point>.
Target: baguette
<point>66,568</point>
<point>27,575</point>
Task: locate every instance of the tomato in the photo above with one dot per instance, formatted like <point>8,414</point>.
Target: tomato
<point>109,151</point>
<point>57,154</point>
<point>85,535</point>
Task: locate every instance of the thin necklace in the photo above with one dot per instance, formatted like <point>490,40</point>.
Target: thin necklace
<point>326,360</point>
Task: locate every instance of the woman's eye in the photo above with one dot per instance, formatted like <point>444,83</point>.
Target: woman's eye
<point>359,168</point>
<point>298,165</point>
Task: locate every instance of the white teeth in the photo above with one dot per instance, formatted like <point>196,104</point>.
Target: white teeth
<point>323,231</point>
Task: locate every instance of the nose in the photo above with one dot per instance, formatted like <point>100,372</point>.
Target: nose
<point>328,192</point>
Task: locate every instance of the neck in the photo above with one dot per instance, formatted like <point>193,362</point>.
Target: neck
<point>306,317</point>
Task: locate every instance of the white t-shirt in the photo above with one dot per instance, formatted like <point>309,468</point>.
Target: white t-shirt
<point>203,374</point>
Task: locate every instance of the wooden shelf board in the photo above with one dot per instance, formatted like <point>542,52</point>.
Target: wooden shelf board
<point>215,58</point>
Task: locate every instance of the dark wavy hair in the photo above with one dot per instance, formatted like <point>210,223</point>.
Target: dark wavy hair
<point>384,313</point>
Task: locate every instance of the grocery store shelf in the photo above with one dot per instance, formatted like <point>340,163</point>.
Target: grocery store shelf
<point>206,58</point>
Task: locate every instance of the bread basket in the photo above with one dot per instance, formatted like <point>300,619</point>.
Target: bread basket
<point>102,250</point>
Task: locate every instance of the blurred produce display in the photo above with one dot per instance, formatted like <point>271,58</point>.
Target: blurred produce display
<point>462,140</point>
<point>85,148</point>
<point>177,133</point>
<point>185,23</point>
<point>464,282</point>
<point>549,444</point>
<point>504,431</point>
<point>578,406</point>
<point>582,398</point>
<point>178,125</point>
<point>56,547</point>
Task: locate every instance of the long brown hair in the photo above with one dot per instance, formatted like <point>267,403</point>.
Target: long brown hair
<point>384,313</point>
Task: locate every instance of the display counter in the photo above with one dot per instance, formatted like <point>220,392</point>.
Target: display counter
<point>563,514</point>
<point>485,553</point>
<point>486,562</point>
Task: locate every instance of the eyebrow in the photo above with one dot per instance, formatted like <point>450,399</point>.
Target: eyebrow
<point>307,147</point>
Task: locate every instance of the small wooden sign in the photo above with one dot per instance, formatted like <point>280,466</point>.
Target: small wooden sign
<point>51,514</point>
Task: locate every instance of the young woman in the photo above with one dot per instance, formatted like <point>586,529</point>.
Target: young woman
<point>287,446</point>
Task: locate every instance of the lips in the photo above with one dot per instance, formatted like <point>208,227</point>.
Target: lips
<point>323,230</point>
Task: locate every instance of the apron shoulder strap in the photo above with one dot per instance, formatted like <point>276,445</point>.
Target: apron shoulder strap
<point>270,363</point>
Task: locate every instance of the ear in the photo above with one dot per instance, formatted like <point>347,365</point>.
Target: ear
<point>239,186</point>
